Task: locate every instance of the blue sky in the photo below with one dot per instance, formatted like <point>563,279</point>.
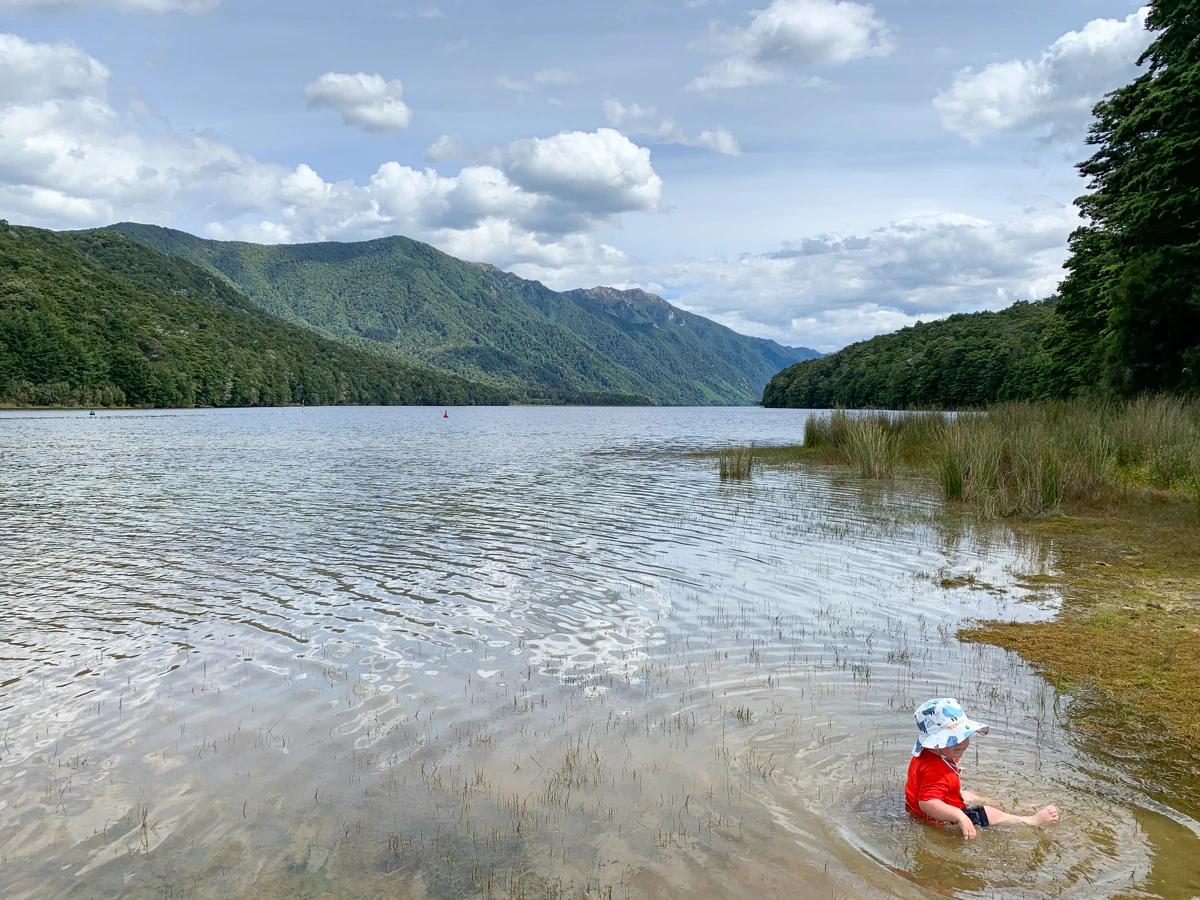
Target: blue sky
<point>815,171</point>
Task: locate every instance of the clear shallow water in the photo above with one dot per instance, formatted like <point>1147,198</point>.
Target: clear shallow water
<point>520,652</point>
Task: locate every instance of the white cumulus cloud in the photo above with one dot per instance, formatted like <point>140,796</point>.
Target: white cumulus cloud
<point>1055,92</point>
<point>600,172</point>
<point>791,35</point>
<point>368,101</point>
<point>35,72</point>
<point>829,290</point>
<point>126,6</point>
<point>70,159</point>
<point>644,120</point>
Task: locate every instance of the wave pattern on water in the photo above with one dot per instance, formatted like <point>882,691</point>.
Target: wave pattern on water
<point>250,654</point>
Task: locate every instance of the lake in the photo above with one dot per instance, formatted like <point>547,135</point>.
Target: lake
<point>520,652</point>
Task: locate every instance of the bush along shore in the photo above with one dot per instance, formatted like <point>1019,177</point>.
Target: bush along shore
<point>1115,490</point>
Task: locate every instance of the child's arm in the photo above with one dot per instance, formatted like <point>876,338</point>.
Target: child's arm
<point>944,812</point>
<point>970,797</point>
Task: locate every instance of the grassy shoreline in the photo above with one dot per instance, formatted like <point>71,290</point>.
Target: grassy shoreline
<point>1116,489</point>
<point>1128,632</point>
<point>1125,644</point>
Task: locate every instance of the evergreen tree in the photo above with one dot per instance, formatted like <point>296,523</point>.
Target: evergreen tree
<point>1130,305</point>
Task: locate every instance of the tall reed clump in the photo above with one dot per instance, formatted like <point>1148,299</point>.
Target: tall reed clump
<point>1195,461</point>
<point>871,446</point>
<point>1156,438</point>
<point>974,464</point>
<point>828,434</point>
<point>915,433</point>
<point>1088,455</point>
<point>736,462</point>
<point>874,442</point>
<point>1023,459</point>
<point>953,464</point>
<point>1026,459</point>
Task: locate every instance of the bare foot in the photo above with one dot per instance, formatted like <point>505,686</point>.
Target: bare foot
<point>1045,815</point>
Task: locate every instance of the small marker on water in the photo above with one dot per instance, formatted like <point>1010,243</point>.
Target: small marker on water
<point>446,414</point>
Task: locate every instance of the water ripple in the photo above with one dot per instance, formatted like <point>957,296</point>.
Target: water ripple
<point>302,636</point>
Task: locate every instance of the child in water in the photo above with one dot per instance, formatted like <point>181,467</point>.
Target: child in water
<point>934,792</point>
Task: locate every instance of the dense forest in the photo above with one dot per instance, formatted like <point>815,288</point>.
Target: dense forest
<point>402,296</point>
<point>97,319</point>
<point>966,360</point>
<point>1126,318</point>
<point>1130,304</point>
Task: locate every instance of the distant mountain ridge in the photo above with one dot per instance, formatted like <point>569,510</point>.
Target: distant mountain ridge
<point>636,305</point>
<point>411,300</point>
<point>94,318</point>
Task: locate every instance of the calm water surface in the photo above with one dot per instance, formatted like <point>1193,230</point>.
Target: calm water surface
<point>521,652</point>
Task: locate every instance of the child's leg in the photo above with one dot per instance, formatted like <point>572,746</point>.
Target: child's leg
<point>1043,816</point>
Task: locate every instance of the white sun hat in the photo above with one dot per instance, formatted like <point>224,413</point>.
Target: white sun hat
<point>942,723</point>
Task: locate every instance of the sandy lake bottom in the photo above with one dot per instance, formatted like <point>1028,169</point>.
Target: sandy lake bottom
<point>522,652</point>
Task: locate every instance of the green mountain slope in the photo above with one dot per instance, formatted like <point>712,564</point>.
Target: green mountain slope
<point>967,360</point>
<point>483,323</point>
<point>95,318</point>
<point>674,333</point>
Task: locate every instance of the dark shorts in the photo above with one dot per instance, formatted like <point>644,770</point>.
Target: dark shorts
<point>978,816</point>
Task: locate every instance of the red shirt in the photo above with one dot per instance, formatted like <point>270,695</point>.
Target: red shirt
<point>932,777</point>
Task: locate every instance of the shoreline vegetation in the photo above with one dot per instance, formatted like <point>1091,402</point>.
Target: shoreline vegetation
<point>1116,488</point>
<point>1025,460</point>
<point>57,390</point>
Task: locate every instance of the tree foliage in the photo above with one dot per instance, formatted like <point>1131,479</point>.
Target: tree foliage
<point>95,318</point>
<point>1131,302</point>
<point>967,360</point>
<point>1127,315</point>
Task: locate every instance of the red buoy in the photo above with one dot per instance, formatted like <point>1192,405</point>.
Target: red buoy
<point>446,414</point>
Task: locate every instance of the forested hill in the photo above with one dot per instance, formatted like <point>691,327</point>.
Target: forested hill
<point>95,318</point>
<point>1126,318</point>
<point>967,360</point>
<point>483,323</point>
